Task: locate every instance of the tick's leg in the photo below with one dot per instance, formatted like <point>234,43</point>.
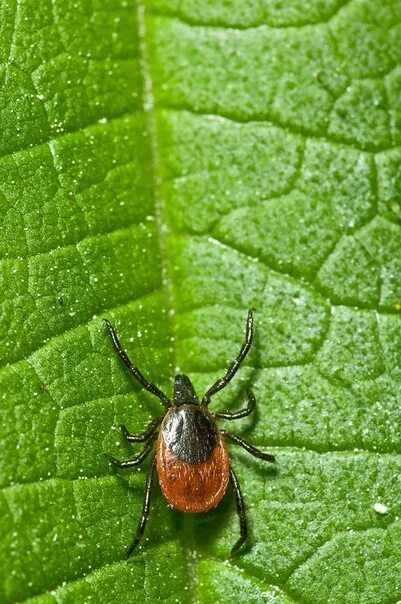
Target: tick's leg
<point>145,508</point>
<point>243,412</point>
<point>134,461</point>
<point>250,448</point>
<point>134,370</point>
<point>240,511</point>
<point>144,436</point>
<point>232,370</point>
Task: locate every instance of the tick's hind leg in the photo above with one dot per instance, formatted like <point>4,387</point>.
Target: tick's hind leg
<point>240,511</point>
<point>145,508</point>
<point>133,461</point>
<point>248,447</point>
<point>239,414</point>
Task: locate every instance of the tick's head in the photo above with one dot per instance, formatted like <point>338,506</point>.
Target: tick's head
<point>184,392</point>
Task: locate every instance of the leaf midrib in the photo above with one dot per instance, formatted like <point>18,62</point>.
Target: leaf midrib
<point>186,536</point>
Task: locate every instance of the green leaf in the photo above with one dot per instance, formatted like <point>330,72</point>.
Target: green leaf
<point>169,166</point>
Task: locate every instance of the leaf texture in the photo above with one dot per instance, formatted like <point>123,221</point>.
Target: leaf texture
<point>170,165</point>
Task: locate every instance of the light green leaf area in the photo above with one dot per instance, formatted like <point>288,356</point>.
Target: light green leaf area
<point>169,166</point>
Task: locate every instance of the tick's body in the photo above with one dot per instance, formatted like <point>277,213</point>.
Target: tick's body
<point>191,457</point>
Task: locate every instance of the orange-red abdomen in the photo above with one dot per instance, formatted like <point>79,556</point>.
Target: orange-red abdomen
<point>192,459</point>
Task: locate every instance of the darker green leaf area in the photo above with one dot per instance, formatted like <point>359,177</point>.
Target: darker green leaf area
<point>169,165</point>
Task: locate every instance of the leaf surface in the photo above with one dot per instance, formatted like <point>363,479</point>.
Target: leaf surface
<point>170,165</point>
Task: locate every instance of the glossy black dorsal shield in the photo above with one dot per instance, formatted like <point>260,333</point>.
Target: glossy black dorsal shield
<point>190,433</point>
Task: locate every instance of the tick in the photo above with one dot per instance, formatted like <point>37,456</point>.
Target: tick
<point>191,457</point>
